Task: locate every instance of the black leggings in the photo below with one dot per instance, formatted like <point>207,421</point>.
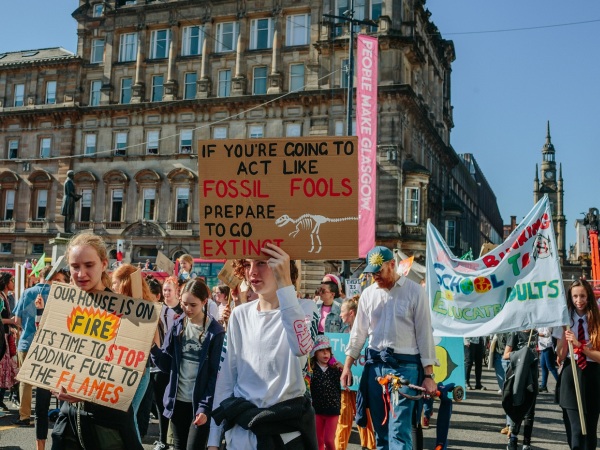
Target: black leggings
<point>527,422</point>
<point>576,440</point>
<point>161,380</point>
<point>186,435</point>
<point>42,406</point>
<point>474,356</point>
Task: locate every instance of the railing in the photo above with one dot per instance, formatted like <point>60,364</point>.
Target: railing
<point>84,225</point>
<point>7,224</point>
<point>113,225</point>
<point>38,224</point>
<point>178,226</point>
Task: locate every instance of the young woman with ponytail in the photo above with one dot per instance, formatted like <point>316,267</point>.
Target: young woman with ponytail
<point>190,354</point>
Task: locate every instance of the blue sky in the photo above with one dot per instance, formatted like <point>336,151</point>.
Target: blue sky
<point>505,86</point>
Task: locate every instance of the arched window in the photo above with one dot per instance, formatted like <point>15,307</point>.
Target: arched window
<point>115,193</point>
<point>182,182</point>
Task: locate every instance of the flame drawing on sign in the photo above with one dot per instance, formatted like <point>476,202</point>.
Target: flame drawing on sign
<point>310,222</point>
<point>94,323</point>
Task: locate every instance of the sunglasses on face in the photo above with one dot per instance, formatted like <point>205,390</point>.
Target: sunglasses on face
<point>324,291</point>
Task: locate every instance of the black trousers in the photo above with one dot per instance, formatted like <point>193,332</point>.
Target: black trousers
<point>576,440</point>
<point>159,385</point>
<point>42,406</point>
<point>474,355</point>
<point>186,435</point>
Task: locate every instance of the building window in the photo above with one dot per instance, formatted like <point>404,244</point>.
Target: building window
<point>128,47</point>
<point>219,132</point>
<point>126,90</point>
<point>226,40</point>
<point>37,249</point>
<point>42,204</point>
<point>297,30</point>
<point>376,10</point>
<point>185,141</point>
<point>159,44</point>
<point>19,94</point>
<point>451,233</point>
<point>259,86</point>
<point>85,209</point>
<point>95,87</point>
<point>13,148</point>
<point>90,144</point>
<point>183,204</point>
<point>192,40</point>
<point>152,143</point>
<point>157,88</point>
<point>296,77</point>
<point>149,202</point>
<point>189,91</point>
<point>411,206</point>
<point>6,247</point>
<point>121,143</point>
<point>256,131</point>
<point>97,51</point>
<point>50,92</point>
<point>45,144</point>
<point>261,33</point>
<point>116,205</point>
<point>9,205</point>
<point>293,129</point>
<point>339,128</point>
<point>224,83</point>
<point>344,73</point>
<point>97,10</point>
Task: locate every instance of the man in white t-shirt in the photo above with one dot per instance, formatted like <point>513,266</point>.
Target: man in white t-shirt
<point>267,343</point>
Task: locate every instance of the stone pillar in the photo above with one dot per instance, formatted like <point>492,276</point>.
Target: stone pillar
<point>137,90</point>
<point>204,84</point>
<point>59,245</point>
<point>239,82</point>
<point>275,79</point>
<point>171,84</point>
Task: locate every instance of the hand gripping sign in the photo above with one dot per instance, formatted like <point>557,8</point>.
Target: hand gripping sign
<point>94,344</point>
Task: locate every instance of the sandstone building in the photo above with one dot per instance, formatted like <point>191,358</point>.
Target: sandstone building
<point>151,78</point>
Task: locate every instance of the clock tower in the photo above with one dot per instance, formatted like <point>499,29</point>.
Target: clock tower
<point>551,184</point>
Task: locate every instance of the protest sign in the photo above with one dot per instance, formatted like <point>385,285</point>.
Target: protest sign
<point>300,193</point>
<point>227,275</point>
<point>339,342</point>
<point>516,286</point>
<point>164,263</point>
<point>94,344</point>
<point>352,287</point>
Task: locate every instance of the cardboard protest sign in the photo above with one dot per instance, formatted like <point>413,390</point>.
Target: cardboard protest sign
<point>164,263</point>
<point>228,277</point>
<point>300,193</point>
<point>93,344</point>
<point>515,286</point>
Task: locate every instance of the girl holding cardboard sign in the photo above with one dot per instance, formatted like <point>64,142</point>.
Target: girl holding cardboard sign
<point>85,425</point>
<point>191,354</point>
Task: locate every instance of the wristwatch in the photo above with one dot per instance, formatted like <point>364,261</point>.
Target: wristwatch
<point>430,375</point>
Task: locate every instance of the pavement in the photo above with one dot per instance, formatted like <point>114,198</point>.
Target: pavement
<point>476,424</point>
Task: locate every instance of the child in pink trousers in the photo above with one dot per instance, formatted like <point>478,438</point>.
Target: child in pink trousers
<point>326,391</point>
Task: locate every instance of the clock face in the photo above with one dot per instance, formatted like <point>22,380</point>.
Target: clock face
<point>548,174</point>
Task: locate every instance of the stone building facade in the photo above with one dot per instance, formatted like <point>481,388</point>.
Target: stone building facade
<point>155,77</point>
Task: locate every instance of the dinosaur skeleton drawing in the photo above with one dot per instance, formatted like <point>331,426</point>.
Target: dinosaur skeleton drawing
<point>310,222</point>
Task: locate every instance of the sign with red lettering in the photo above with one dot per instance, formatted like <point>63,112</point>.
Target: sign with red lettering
<point>300,193</point>
<point>94,344</point>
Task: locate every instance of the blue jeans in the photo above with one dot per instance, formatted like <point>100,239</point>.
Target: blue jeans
<point>547,363</point>
<point>428,407</point>
<point>395,434</point>
<point>138,397</point>
<point>501,366</point>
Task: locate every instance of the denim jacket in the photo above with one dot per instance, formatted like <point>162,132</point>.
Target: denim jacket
<point>333,322</point>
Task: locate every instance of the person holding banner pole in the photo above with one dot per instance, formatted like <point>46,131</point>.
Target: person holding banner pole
<point>583,338</point>
<point>393,314</point>
<point>83,425</point>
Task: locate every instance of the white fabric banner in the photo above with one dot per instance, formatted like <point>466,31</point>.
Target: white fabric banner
<point>516,286</point>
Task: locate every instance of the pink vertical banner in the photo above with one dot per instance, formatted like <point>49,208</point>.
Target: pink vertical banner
<point>366,130</point>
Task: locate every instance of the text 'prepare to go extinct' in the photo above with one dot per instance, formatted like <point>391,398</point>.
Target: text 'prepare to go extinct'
<point>309,187</point>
